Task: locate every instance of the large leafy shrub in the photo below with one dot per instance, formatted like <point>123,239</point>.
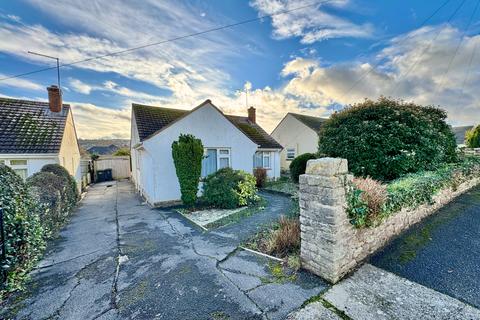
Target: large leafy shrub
<point>299,165</point>
<point>52,194</point>
<point>228,188</point>
<point>187,155</point>
<point>472,137</point>
<point>24,232</point>
<point>385,139</point>
<point>71,189</point>
<point>407,192</point>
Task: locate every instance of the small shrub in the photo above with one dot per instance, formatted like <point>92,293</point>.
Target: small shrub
<point>386,139</point>
<point>72,194</point>
<point>260,176</point>
<point>51,192</point>
<point>228,188</point>
<point>373,194</point>
<point>299,164</point>
<point>472,137</point>
<point>187,155</point>
<point>285,239</point>
<point>24,241</point>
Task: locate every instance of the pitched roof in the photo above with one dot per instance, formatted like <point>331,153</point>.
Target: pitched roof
<point>150,120</point>
<point>460,133</point>
<point>30,127</point>
<point>312,122</point>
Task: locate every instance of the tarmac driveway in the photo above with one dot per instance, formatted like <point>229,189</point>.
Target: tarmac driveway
<point>442,252</point>
<point>119,259</point>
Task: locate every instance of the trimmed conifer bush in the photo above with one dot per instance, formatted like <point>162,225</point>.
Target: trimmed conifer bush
<point>187,155</point>
<point>72,194</point>
<point>299,165</point>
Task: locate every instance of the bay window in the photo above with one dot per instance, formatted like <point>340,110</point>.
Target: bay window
<point>262,159</point>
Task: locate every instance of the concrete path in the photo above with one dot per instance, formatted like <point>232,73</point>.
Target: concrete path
<point>442,252</point>
<point>119,259</point>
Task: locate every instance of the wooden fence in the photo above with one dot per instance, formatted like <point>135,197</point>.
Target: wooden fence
<point>120,165</point>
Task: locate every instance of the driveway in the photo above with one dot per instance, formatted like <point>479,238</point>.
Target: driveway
<point>119,259</point>
<point>442,252</point>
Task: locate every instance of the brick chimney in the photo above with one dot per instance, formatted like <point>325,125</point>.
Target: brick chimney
<point>55,98</point>
<point>252,115</point>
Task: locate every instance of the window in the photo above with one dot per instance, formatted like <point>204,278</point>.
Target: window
<point>20,167</point>
<point>214,159</point>
<point>290,153</point>
<point>262,159</point>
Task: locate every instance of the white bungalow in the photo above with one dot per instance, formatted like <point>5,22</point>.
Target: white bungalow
<point>229,141</point>
<point>298,134</point>
<point>35,133</point>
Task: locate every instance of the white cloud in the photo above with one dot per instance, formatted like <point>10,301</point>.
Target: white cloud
<point>80,86</point>
<point>20,83</point>
<point>311,24</point>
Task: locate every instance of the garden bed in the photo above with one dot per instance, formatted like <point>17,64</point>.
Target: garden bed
<point>283,186</point>
<point>211,218</point>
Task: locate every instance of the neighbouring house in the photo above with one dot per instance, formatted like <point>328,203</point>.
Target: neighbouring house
<point>229,141</point>
<point>298,134</point>
<point>460,134</point>
<point>35,133</point>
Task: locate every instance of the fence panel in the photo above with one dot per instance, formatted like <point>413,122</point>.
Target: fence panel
<point>120,166</point>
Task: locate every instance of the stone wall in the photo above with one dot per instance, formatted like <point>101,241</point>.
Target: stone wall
<point>331,246</point>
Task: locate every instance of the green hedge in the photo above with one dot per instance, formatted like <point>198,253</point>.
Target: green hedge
<point>72,194</point>
<point>386,139</point>
<point>24,232</point>
<point>472,137</point>
<point>228,188</point>
<point>413,190</point>
<point>187,155</point>
<point>299,165</point>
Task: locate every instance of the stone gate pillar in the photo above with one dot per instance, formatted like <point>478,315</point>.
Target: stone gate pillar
<point>323,220</point>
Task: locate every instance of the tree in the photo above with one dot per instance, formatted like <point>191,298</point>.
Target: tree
<point>187,155</point>
<point>122,152</point>
<point>472,137</point>
<point>387,138</point>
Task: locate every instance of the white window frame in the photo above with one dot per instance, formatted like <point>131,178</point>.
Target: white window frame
<point>290,151</point>
<point>17,166</point>
<point>264,154</point>
<point>220,156</point>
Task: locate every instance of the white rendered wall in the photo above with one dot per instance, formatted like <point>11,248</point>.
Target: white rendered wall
<point>158,176</point>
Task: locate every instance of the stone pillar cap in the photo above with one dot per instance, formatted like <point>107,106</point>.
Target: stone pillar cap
<point>327,166</point>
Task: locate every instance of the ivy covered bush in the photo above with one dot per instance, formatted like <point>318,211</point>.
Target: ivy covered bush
<point>24,232</point>
<point>299,165</point>
<point>72,195</point>
<point>472,137</point>
<point>369,202</point>
<point>228,189</point>
<point>187,155</point>
<point>386,139</point>
<point>52,194</point>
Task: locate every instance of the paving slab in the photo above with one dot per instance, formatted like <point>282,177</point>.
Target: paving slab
<point>374,294</point>
<point>314,311</point>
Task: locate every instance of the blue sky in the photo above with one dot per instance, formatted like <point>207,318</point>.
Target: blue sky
<point>311,61</point>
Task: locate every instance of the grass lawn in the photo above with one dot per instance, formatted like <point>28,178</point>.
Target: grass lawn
<point>284,185</point>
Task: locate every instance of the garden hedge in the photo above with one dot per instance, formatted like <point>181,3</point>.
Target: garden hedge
<point>299,165</point>
<point>72,194</point>
<point>187,155</point>
<point>25,241</point>
<point>386,139</point>
<point>407,192</point>
<point>228,189</point>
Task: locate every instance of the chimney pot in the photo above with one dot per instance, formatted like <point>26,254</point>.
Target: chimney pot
<point>54,98</point>
<point>252,114</point>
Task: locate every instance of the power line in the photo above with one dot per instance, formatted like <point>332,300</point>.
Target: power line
<point>316,3</point>
<point>442,83</point>
<point>426,49</point>
<point>356,83</point>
